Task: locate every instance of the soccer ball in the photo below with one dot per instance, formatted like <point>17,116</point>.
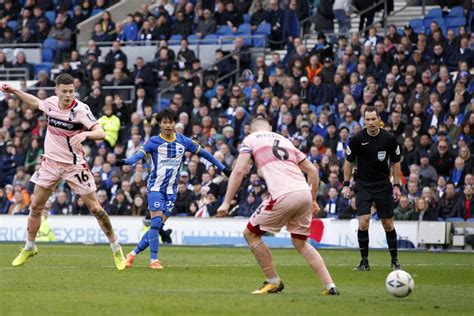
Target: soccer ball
<point>399,283</point>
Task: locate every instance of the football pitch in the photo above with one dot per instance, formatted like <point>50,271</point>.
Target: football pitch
<point>81,280</point>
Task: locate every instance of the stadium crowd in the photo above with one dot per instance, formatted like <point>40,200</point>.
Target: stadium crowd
<point>420,84</point>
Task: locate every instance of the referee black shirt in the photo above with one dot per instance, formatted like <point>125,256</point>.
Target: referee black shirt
<point>373,155</point>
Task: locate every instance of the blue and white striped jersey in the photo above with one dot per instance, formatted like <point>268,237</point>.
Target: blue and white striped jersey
<point>167,158</point>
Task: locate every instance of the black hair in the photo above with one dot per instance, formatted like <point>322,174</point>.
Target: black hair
<point>167,114</point>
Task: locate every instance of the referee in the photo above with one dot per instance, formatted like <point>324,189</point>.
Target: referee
<point>373,150</point>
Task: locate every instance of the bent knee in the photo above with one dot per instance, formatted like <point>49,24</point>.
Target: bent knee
<point>249,236</point>
<point>299,244</point>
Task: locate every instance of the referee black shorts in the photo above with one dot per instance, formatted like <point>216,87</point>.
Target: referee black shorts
<point>381,195</point>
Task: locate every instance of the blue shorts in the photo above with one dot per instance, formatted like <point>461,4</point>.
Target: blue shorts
<point>163,202</point>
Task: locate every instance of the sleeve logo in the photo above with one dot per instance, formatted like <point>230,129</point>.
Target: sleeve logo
<point>397,152</point>
<point>91,117</point>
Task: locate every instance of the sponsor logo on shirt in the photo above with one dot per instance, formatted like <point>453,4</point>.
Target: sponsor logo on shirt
<point>70,126</point>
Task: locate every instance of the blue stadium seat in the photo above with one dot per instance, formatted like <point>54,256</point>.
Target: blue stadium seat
<point>51,16</point>
<point>417,25</point>
<point>457,11</point>
<point>247,18</point>
<point>165,103</point>
<point>260,41</point>
<point>455,22</point>
<point>96,11</point>
<point>193,39</point>
<point>455,219</point>
<point>470,220</point>
<point>50,43</point>
<point>211,39</point>
<point>12,24</point>
<point>43,66</point>
<point>245,29</point>
<point>264,28</point>
<point>47,55</point>
<point>224,30</point>
<point>434,13</point>
<point>175,38</point>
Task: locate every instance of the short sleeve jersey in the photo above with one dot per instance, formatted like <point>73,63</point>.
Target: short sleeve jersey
<point>63,124</point>
<point>167,158</point>
<point>278,161</point>
<point>373,155</point>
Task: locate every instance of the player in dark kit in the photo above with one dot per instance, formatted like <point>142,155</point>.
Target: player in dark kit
<point>374,150</point>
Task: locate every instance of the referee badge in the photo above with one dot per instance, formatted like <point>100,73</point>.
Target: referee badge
<point>381,155</point>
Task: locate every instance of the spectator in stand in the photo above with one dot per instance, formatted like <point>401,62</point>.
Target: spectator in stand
<point>62,35</point>
<point>442,160</point>
<point>183,27</point>
<point>79,207</point>
<point>423,211</point>
<point>466,202</point>
<point>207,25</point>
<point>143,76</point>
<point>448,203</point>
<point>77,16</point>
<point>324,21</point>
<point>335,204</point>
<point>22,63</point>
<point>61,204</point>
<point>249,206</point>
<point>120,205</point>
<point>405,211</point>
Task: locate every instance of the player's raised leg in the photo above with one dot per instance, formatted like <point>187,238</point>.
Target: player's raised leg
<point>316,262</point>
<point>363,238</point>
<point>39,198</point>
<point>273,283</point>
<point>94,207</point>
<point>142,245</point>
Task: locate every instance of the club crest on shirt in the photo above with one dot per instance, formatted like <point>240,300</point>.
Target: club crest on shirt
<point>381,155</point>
<point>180,150</point>
<point>156,204</point>
<point>72,115</point>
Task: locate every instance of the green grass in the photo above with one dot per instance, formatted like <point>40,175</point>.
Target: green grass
<point>81,280</point>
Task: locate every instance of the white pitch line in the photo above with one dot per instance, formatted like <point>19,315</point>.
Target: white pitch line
<point>461,265</point>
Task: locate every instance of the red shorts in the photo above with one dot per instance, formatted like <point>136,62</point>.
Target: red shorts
<point>293,210</point>
<point>52,172</point>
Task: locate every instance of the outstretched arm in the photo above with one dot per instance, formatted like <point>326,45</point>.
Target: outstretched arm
<point>207,155</point>
<point>29,99</point>
<point>235,180</point>
<point>139,155</point>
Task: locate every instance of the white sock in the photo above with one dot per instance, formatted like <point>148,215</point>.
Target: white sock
<point>29,245</point>
<point>133,253</point>
<point>115,246</point>
<point>274,280</point>
<point>153,260</point>
<point>330,285</point>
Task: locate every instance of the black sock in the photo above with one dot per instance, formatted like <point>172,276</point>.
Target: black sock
<point>392,243</point>
<point>363,236</point>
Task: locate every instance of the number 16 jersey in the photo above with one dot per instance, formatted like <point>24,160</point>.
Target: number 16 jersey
<point>278,161</point>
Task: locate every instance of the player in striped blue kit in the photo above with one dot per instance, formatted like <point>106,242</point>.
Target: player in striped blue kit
<point>167,154</point>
